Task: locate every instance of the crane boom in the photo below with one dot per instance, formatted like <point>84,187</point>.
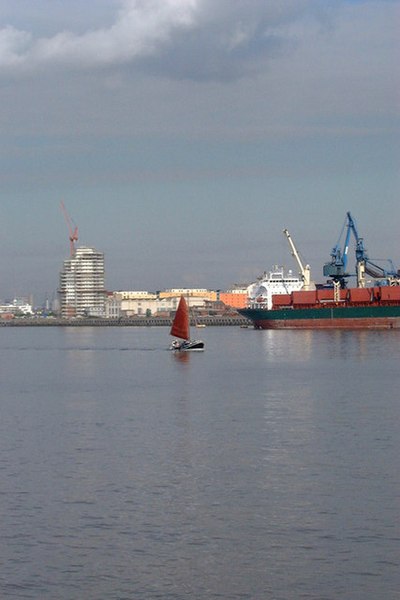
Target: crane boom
<point>304,269</point>
<point>337,267</point>
<point>72,229</point>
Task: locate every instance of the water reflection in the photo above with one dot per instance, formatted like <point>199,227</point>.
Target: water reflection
<point>183,357</point>
<point>302,345</point>
<point>80,345</point>
<point>280,344</point>
<point>359,344</point>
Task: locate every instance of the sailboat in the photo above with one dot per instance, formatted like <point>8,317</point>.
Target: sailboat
<point>181,329</point>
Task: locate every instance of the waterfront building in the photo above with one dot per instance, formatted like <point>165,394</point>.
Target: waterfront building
<point>136,303</point>
<point>82,289</point>
<point>191,294</point>
<point>18,307</point>
<point>168,303</point>
<point>146,304</point>
<point>235,297</point>
<point>136,295</point>
<point>112,306</point>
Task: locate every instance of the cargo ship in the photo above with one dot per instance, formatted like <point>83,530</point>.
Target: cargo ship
<point>373,304</point>
<point>354,308</point>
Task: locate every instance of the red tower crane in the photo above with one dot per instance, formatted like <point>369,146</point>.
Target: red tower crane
<point>72,228</point>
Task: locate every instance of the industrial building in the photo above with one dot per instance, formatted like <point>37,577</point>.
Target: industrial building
<point>235,298</point>
<point>190,294</point>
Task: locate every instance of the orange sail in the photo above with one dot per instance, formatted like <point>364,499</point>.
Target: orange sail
<point>181,324</point>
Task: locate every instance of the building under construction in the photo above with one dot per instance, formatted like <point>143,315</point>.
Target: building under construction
<point>82,289</point>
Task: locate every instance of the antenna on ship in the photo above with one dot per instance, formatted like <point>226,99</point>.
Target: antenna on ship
<point>72,228</point>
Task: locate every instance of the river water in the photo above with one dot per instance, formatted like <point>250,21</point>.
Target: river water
<point>267,467</point>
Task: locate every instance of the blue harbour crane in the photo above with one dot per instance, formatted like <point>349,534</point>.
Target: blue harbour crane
<point>337,268</point>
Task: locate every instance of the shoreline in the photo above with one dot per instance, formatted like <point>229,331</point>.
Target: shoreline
<point>209,321</point>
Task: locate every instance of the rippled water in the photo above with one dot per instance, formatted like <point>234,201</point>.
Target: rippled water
<point>266,467</point>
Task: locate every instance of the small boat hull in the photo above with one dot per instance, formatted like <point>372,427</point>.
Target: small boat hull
<point>187,346</point>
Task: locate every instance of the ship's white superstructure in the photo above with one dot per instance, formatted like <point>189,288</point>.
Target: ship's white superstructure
<point>274,282</point>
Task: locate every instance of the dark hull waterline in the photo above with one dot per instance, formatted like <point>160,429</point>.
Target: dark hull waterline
<point>341,317</point>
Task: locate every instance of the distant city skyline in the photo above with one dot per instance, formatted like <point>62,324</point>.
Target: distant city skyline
<point>185,135</point>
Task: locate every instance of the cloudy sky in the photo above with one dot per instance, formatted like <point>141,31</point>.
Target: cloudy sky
<point>184,135</point>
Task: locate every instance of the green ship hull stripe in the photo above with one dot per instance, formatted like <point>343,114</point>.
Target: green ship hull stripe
<point>337,312</point>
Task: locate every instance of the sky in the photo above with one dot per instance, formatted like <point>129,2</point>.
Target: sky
<point>183,136</point>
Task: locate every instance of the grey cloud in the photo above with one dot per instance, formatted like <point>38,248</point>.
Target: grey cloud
<point>189,39</point>
<point>228,40</point>
<point>139,27</point>
<point>13,45</point>
<point>201,56</point>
